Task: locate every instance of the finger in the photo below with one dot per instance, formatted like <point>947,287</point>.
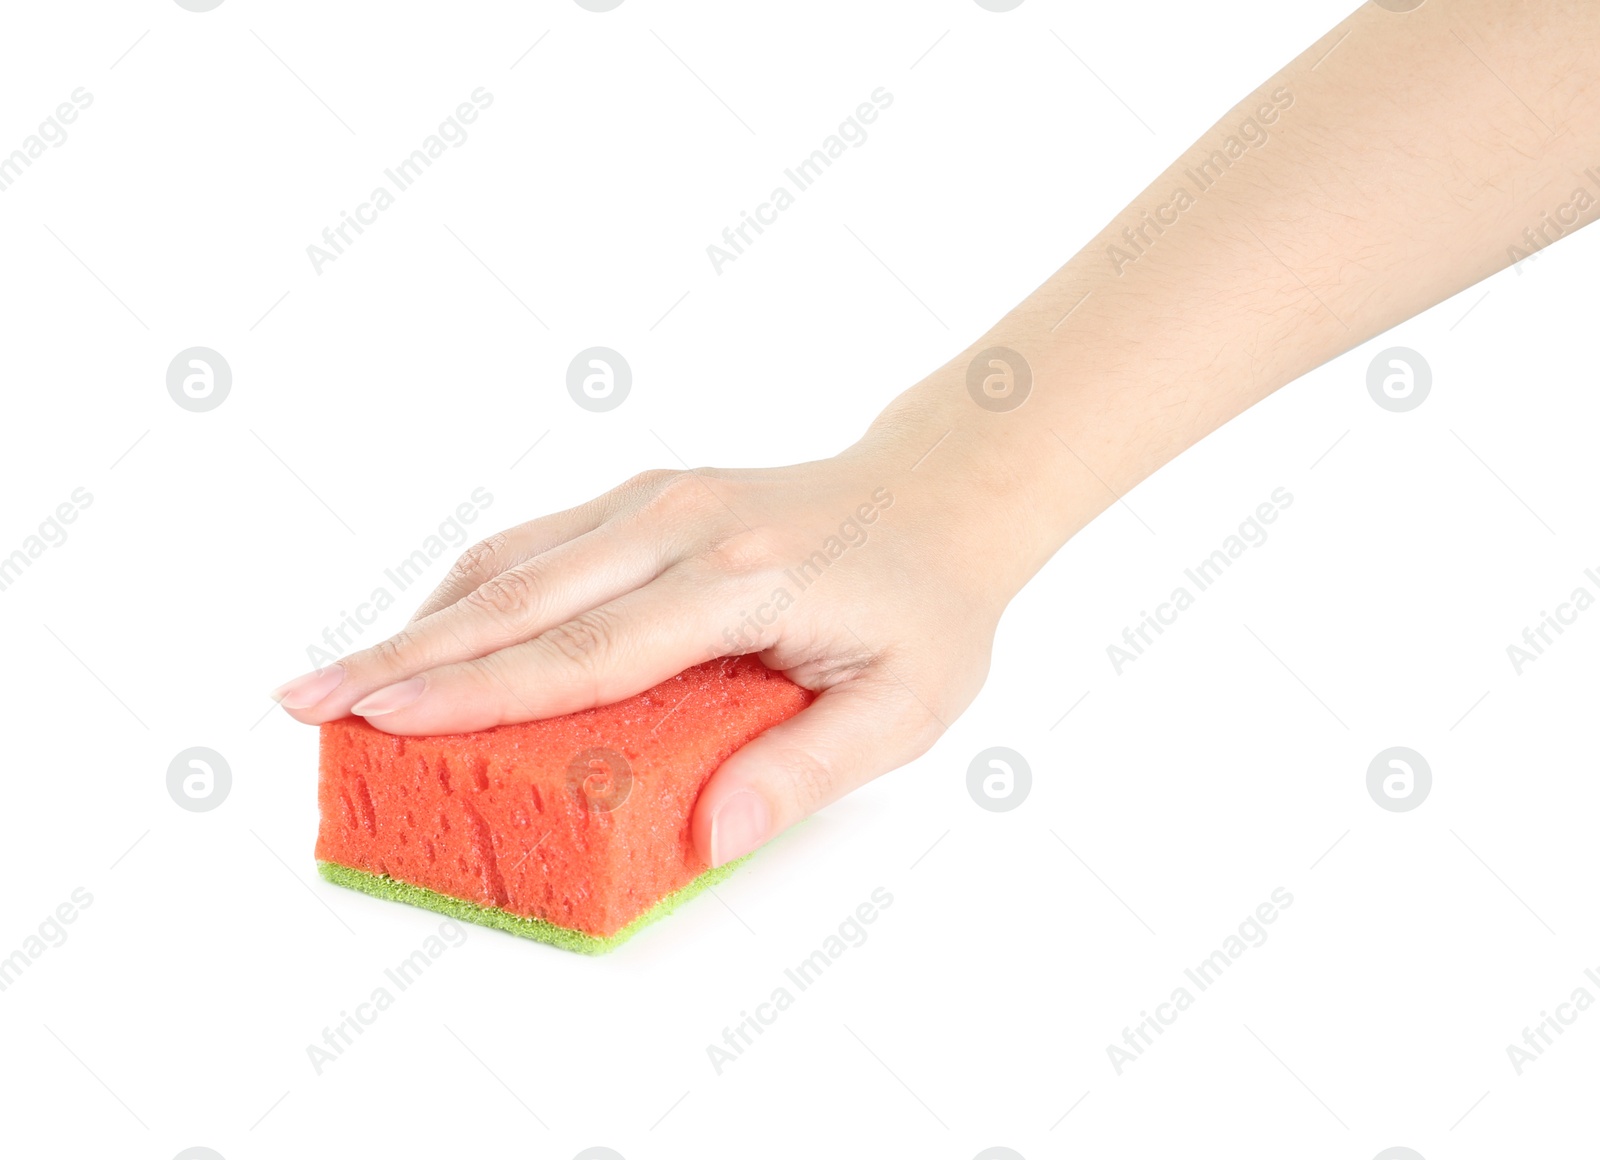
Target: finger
<point>512,607</point>
<point>484,561</point>
<point>598,657</point>
<point>487,559</point>
<point>849,735</point>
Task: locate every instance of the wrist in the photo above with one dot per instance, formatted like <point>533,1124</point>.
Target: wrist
<point>1000,487</point>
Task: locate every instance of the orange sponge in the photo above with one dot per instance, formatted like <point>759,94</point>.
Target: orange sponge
<point>573,830</point>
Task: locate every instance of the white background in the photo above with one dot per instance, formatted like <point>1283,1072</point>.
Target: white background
<point>377,395</point>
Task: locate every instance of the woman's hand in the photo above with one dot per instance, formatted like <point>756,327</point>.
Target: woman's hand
<point>875,588</point>
<point>896,558</point>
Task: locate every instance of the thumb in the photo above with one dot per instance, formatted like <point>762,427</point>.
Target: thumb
<point>846,737</point>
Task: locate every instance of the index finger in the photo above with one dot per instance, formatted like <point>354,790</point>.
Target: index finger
<point>488,558</point>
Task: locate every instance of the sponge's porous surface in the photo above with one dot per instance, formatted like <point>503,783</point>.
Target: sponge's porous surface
<point>572,830</point>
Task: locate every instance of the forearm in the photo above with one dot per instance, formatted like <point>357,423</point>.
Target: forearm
<point>1397,166</point>
<point>1394,163</point>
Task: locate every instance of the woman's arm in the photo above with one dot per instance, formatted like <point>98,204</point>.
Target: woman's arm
<point>1400,159</point>
<point>1403,157</point>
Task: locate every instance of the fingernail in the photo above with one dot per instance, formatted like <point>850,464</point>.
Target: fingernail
<point>304,692</point>
<point>739,826</point>
<point>389,698</point>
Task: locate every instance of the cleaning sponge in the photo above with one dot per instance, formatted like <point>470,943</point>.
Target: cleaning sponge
<point>573,830</point>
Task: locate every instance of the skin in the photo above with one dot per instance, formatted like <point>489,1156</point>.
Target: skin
<point>1393,164</point>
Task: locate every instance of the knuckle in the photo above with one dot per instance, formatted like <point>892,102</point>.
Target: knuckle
<point>582,640</point>
<point>637,492</point>
<point>513,592</point>
<point>487,677</point>
<point>679,494</point>
<point>494,681</point>
<point>395,653</point>
<point>646,482</point>
<point>479,558</point>
<point>746,553</point>
<point>810,780</point>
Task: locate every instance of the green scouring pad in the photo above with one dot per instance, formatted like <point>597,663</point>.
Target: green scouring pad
<point>524,926</point>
